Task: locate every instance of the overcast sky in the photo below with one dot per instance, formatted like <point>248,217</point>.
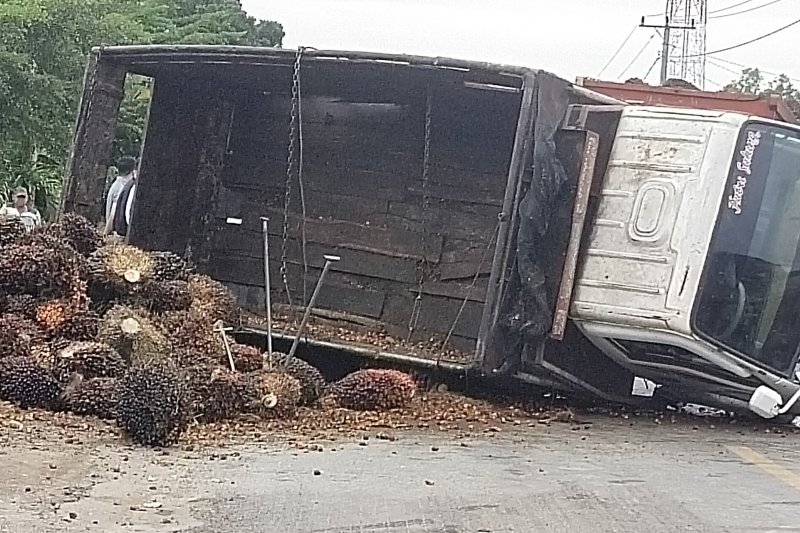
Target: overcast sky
<point>567,37</point>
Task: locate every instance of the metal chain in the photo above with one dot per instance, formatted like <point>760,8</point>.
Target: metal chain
<point>287,200</point>
<point>423,265</point>
<point>426,199</point>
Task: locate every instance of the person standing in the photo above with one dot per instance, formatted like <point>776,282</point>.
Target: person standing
<point>126,168</point>
<point>119,217</point>
<point>22,207</point>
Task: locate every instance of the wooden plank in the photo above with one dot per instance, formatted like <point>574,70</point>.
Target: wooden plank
<point>215,130</point>
<point>380,185</point>
<point>334,294</point>
<point>246,243</point>
<point>455,291</point>
<point>447,174</point>
<point>350,236</point>
<point>363,209</point>
<point>436,315</point>
<point>439,314</point>
<point>458,194</point>
<point>330,111</point>
<point>327,314</point>
<point>475,129</point>
<point>463,259</point>
<point>464,221</point>
<point>455,220</point>
<point>464,270</point>
<point>360,209</point>
<point>330,180</point>
<point>241,292</point>
<point>464,186</point>
<point>356,157</point>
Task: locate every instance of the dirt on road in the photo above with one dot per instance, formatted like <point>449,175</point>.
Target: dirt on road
<point>452,465</point>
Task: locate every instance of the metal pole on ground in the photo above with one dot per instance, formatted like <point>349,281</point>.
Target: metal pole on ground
<point>267,296</point>
<point>221,329</point>
<point>329,260</point>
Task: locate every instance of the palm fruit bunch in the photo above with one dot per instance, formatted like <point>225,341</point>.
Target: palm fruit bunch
<point>68,319</point>
<point>11,230</point>
<point>170,267</point>
<point>18,335</point>
<point>165,296</point>
<point>37,270</point>
<point>215,393</point>
<point>89,359</point>
<point>19,304</point>
<point>103,298</point>
<point>152,404</point>
<point>311,380</point>
<point>245,358</point>
<point>27,384</point>
<point>120,268</point>
<point>94,397</point>
<point>78,232</point>
<point>272,394</point>
<point>44,238</point>
<point>213,299</point>
<point>194,338</point>
<point>374,389</point>
<point>45,354</point>
<point>132,334</point>
<point>53,314</point>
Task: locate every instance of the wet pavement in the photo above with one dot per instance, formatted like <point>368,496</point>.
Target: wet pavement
<point>601,475</point>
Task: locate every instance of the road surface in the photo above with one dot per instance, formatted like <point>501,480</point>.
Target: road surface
<point>603,475</point>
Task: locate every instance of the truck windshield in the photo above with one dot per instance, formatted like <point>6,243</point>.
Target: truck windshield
<point>749,300</point>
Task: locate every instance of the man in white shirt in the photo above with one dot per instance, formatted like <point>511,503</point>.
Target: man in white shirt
<point>126,168</point>
<point>22,208</point>
<point>119,217</point>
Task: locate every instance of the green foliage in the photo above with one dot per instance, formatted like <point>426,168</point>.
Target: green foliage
<point>43,49</point>
<point>752,82</point>
<point>132,117</point>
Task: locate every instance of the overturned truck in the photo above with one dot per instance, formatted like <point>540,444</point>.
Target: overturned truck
<point>486,216</point>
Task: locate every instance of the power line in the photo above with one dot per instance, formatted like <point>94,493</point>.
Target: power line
<point>628,38</point>
<point>745,2</point>
<point>721,67</point>
<point>745,10</point>
<point>647,44</point>
<point>740,65</point>
<point>726,69</point>
<point>751,41</point>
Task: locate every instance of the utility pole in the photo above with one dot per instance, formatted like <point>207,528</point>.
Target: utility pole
<point>667,27</point>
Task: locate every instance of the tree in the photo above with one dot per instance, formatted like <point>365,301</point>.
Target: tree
<point>752,82</point>
<point>185,22</point>
<point>43,50</point>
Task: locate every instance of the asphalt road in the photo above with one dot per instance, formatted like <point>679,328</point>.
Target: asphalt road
<point>617,475</point>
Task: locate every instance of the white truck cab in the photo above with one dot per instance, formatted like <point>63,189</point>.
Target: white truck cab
<point>690,273</point>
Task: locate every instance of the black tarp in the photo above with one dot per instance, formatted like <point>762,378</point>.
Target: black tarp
<point>538,242</point>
